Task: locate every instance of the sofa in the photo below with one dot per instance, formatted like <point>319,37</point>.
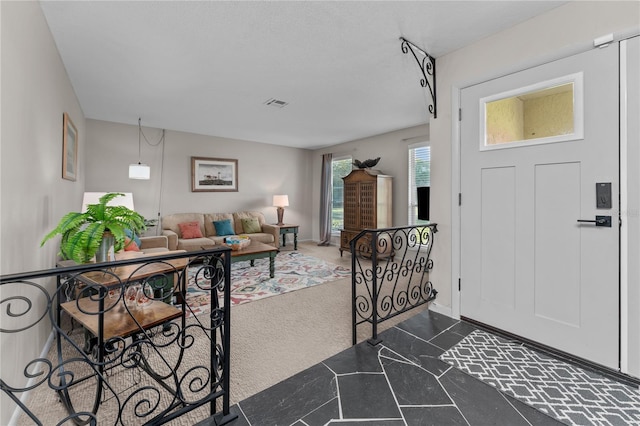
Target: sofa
<point>154,245</point>
<point>197,231</point>
<point>147,245</point>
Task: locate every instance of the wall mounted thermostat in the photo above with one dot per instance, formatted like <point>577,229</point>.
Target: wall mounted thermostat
<point>603,195</point>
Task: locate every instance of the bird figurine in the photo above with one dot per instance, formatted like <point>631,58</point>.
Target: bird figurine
<point>367,164</point>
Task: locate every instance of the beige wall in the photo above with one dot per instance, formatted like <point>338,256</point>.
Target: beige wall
<point>35,93</point>
<point>514,119</point>
<point>548,116</point>
<point>263,170</point>
<point>505,120</point>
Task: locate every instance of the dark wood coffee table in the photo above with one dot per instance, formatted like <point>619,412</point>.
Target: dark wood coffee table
<point>256,250</point>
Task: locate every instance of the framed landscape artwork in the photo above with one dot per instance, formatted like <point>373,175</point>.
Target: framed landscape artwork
<point>69,149</point>
<point>214,174</point>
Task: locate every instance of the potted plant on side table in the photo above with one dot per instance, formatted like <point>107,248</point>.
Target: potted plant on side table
<point>96,231</point>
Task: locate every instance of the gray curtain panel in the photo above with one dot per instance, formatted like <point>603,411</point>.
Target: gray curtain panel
<point>326,201</point>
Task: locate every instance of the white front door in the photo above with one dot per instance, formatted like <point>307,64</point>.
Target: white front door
<point>527,265</point>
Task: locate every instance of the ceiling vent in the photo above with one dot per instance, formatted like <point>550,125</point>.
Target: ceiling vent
<point>276,103</point>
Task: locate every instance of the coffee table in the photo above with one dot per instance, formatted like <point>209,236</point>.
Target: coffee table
<point>256,250</point>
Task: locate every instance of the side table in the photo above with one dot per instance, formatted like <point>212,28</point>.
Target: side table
<point>289,229</point>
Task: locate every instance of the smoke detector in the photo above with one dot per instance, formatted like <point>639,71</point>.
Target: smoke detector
<point>276,103</point>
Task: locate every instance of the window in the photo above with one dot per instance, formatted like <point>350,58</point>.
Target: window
<point>419,175</point>
<point>340,167</point>
<point>545,112</point>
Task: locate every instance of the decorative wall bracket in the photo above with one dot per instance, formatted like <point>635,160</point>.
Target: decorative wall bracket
<point>428,68</point>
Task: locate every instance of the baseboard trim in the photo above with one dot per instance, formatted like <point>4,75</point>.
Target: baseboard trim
<point>558,354</point>
<point>441,309</point>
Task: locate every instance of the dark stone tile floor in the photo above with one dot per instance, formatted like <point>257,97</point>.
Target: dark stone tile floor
<point>401,381</point>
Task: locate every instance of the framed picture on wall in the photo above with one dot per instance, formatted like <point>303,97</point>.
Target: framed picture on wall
<point>214,174</point>
<point>69,149</point>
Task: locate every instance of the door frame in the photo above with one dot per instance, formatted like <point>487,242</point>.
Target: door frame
<point>456,188</point>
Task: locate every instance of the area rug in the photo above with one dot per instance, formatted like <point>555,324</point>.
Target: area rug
<point>293,271</point>
<point>573,395</point>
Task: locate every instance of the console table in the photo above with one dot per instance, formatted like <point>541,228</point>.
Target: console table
<point>108,321</point>
<point>147,367</point>
<point>289,229</point>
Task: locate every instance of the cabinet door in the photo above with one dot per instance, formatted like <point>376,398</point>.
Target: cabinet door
<point>351,214</point>
<point>368,207</point>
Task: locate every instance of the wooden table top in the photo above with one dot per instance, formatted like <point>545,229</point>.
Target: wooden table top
<point>117,320</point>
<point>115,276</point>
<point>253,248</point>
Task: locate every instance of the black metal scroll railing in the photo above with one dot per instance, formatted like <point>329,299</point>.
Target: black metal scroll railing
<point>128,349</point>
<point>390,274</point>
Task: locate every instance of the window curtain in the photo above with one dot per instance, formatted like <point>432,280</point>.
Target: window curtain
<point>326,200</point>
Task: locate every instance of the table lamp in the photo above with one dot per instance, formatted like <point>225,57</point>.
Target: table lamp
<point>280,201</point>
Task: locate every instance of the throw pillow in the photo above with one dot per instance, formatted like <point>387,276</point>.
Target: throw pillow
<point>190,230</point>
<point>130,245</point>
<point>132,235</point>
<point>223,227</point>
<point>251,225</point>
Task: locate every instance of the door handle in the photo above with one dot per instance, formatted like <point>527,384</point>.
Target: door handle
<point>599,221</point>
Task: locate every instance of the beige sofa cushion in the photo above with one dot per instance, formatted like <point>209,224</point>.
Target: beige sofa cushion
<point>238,216</point>
<point>195,244</point>
<point>155,244</point>
<point>155,250</point>
<point>219,240</point>
<point>261,237</point>
<point>173,221</point>
<point>209,218</point>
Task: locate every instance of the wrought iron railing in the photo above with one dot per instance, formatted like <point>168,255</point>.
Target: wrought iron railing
<point>390,274</point>
<point>121,357</point>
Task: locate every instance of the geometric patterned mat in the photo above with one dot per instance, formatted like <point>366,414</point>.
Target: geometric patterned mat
<point>570,394</point>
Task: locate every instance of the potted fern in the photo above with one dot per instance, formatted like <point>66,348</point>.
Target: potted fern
<point>94,232</point>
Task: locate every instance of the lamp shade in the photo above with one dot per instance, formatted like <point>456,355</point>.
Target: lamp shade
<point>94,198</point>
<point>139,171</point>
<point>280,200</point>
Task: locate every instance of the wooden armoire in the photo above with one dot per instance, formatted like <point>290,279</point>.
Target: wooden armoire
<point>366,203</point>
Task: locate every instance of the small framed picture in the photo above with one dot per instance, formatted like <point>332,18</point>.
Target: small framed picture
<point>214,174</point>
<point>69,149</point>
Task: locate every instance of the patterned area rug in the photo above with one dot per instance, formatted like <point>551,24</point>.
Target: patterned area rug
<point>293,271</point>
<point>568,393</point>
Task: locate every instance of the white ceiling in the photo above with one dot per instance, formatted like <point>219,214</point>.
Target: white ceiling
<point>207,67</point>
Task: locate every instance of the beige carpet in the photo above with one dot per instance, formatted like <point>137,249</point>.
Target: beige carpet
<point>277,337</point>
